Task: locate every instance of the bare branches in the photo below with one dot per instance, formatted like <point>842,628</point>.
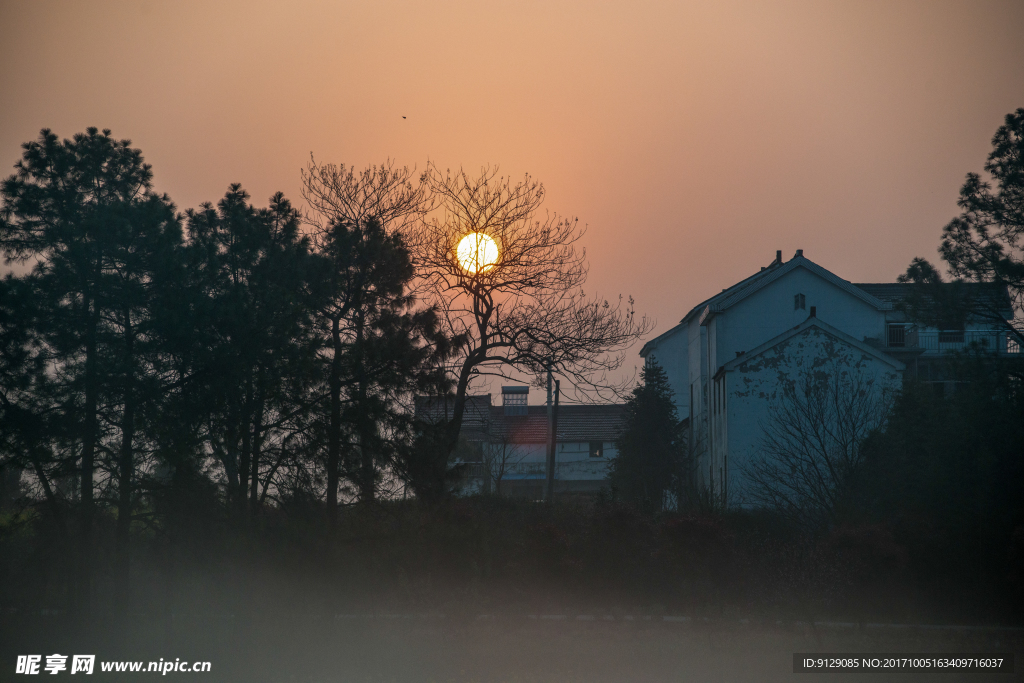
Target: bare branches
<point>810,448</point>
<point>501,457</point>
<point>336,193</point>
<point>528,311</point>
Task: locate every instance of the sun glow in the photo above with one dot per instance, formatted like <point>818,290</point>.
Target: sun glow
<point>477,252</point>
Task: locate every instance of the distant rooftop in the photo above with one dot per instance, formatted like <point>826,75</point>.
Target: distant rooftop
<point>987,294</point>
<point>576,423</point>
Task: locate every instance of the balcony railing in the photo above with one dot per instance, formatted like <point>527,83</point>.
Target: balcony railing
<point>936,341</point>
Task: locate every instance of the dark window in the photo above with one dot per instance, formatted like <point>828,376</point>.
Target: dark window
<point>897,335</point>
<point>596,449</point>
<point>799,302</point>
<point>951,337</point>
<point>514,403</point>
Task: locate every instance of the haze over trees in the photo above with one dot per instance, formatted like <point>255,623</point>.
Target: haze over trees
<point>269,353</point>
<point>198,403</point>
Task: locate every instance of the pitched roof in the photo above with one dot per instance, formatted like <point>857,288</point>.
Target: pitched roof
<point>744,288</point>
<point>575,423</point>
<point>436,409</point>
<point>652,344</point>
<point>824,327</point>
<point>483,421</point>
<point>987,295</point>
<point>730,298</point>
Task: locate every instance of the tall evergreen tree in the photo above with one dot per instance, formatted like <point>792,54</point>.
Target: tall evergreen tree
<point>378,350</point>
<point>251,346</point>
<point>84,212</point>
<point>651,448</point>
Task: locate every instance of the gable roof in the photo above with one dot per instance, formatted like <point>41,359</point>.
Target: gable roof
<point>653,343</point>
<point>438,409</point>
<point>989,296</point>
<point>732,297</point>
<point>807,324</point>
<point>575,423</point>
<point>485,422</point>
<point>729,291</point>
<point>744,288</point>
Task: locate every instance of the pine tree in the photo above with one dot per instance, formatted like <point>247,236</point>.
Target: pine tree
<point>651,447</point>
<point>83,212</point>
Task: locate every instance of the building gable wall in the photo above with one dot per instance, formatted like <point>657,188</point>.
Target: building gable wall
<point>770,311</point>
<point>752,388</point>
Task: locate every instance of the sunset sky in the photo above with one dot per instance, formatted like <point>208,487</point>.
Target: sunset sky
<point>694,139</point>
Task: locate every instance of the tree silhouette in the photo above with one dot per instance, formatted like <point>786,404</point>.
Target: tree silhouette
<point>84,211</point>
<point>527,312</point>
<point>652,453</point>
<point>378,347</point>
<point>984,244</point>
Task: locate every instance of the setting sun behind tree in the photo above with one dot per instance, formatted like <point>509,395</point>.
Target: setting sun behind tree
<point>477,252</point>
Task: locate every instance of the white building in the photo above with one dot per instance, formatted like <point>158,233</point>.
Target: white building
<point>731,355</point>
<point>504,447</point>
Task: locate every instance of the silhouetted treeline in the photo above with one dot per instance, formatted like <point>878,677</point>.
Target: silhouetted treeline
<point>154,361</point>
<point>210,410</point>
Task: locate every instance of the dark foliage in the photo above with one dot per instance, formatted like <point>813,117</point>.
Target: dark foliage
<point>652,455</point>
<point>981,245</point>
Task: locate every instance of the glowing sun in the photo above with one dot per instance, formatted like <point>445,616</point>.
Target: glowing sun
<point>477,252</point>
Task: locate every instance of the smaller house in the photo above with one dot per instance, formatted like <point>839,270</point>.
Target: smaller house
<point>505,446</point>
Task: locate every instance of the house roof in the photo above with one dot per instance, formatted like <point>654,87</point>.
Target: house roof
<point>483,421</point>
<point>741,290</point>
<point>730,298</point>
<point>575,423</point>
<point>824,327</point>
<point>435,409</point>
<point>652,344</point>
<point>990,296</point>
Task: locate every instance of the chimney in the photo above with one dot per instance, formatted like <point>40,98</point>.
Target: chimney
<point>814,312</point>
<point>778,256</point>
<point>799,252</point>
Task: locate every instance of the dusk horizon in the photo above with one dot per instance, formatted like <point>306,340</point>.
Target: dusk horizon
<point>545,341</point>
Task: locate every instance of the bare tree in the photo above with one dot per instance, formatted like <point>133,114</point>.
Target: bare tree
<point>501,456</point>
<point>337,193</point>
<point>811,444</point>
<point>525,309</point>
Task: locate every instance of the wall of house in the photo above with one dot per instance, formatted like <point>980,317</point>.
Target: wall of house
<point>572,460</point>
<point>751,388</point>
<point>672,354</point>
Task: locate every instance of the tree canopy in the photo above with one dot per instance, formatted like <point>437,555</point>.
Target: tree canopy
<point>985,243</point>
<point>651,464</point>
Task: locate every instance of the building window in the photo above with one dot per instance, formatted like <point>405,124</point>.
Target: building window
<point>513,399</point>
<point>951,337</point>
<point>799,302</point>
<point>897,335</point>
<point>596,449</point>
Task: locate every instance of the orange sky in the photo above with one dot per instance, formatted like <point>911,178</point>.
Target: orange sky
<point>694,139</point>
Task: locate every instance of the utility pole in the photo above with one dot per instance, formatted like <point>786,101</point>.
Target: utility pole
<point>549,484</point>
